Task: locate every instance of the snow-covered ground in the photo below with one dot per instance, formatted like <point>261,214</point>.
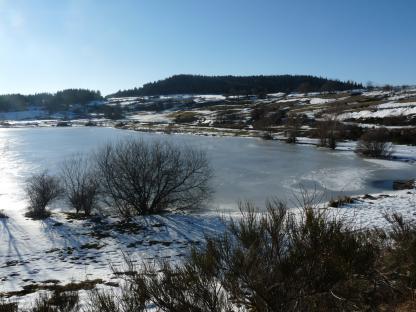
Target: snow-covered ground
<point>61,250</point>
<point>150,117</point>
<point>315,101</point>
<point>391,109</point>
<point>209,97</point>
<point>369,212</point>
<point>66,250</point>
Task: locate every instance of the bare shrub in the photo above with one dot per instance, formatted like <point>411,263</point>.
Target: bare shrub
<point>3,215</point>
<point>276,261</point>
<point>267,135</point>
<point>57,302</point>
<point>193,286</point>
<point>401,260</point>
<point>41,190</point>
<point>374,143</point>
<point>270,261</point>
<point>340,201</point>
<point>293,125</point>
<point>144,178</point>
<point>279,262</point>
<point>127,298</point>
<point>8,306</point>
<point>104,301</point>
<point>81,184</point>
<point>327,130</point>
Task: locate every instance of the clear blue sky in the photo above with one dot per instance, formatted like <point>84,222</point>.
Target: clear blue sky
<point>47,45</point>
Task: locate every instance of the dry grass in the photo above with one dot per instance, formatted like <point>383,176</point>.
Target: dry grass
<point>184,116</point>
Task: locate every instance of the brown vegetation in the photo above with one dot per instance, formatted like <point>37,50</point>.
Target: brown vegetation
<point>41,189</point>
<point>144,178</point>
<point>374,143</point>
<point>273,261</point>
<point>81,184</point>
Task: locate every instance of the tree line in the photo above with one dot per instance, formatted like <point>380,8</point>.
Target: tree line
<point>51,102</point>
<point>232,85</point>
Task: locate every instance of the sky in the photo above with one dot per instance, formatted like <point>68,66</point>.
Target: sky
<point>108,45</point>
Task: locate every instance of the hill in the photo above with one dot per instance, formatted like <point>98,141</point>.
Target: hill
<point>60,100</point>
<point>197,84</point>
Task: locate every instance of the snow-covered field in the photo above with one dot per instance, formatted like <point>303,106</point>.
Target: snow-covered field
<point>62,250</point>
<point>369,211</point>
<point>391,109</point>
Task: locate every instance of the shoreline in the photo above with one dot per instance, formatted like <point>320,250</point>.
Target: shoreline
<point>402,153</point>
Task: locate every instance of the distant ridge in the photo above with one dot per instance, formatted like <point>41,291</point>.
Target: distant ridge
<point>198,84</point>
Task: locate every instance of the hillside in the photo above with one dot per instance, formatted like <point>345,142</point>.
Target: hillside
<point>60,100</point>
<point>233,85</point>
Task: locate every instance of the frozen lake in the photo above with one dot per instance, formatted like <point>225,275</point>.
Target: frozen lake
<point>244,168</point>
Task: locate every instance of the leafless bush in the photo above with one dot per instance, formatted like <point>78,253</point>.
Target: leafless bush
<point>294,123</point>
<point>3,215</point>
<point>401,259</point>
<point>81,184</point>
<point>41,189</point>
<point>374,143</point>
<point>190,287</point>
<point>57,302</point>
<point>8,306</point>
<point>270,261</point>
<point>275,261</point>
<point>326,130</point>
<point>267,135</point>
<point>143,178</point>
<point>281,262</point>
<point>127,298</point>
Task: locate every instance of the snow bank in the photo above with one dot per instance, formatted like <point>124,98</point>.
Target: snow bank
<point>382,111</point>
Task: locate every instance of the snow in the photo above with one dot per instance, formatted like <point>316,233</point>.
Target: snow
<point>293,100</point>
<point>176,97</point>
<point>209,98</point>
<point>67,250</point>
<point>396,105</point>
<point>376,93</point>
<point>369,213</point>
<point>398,97</point>
<point>34,251</point>
<point>315,101</point>
<point>122,103</point>
<point>151,117</point>
<point>382,111</point>
<point>124,99</point>
<point>276,95</point>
